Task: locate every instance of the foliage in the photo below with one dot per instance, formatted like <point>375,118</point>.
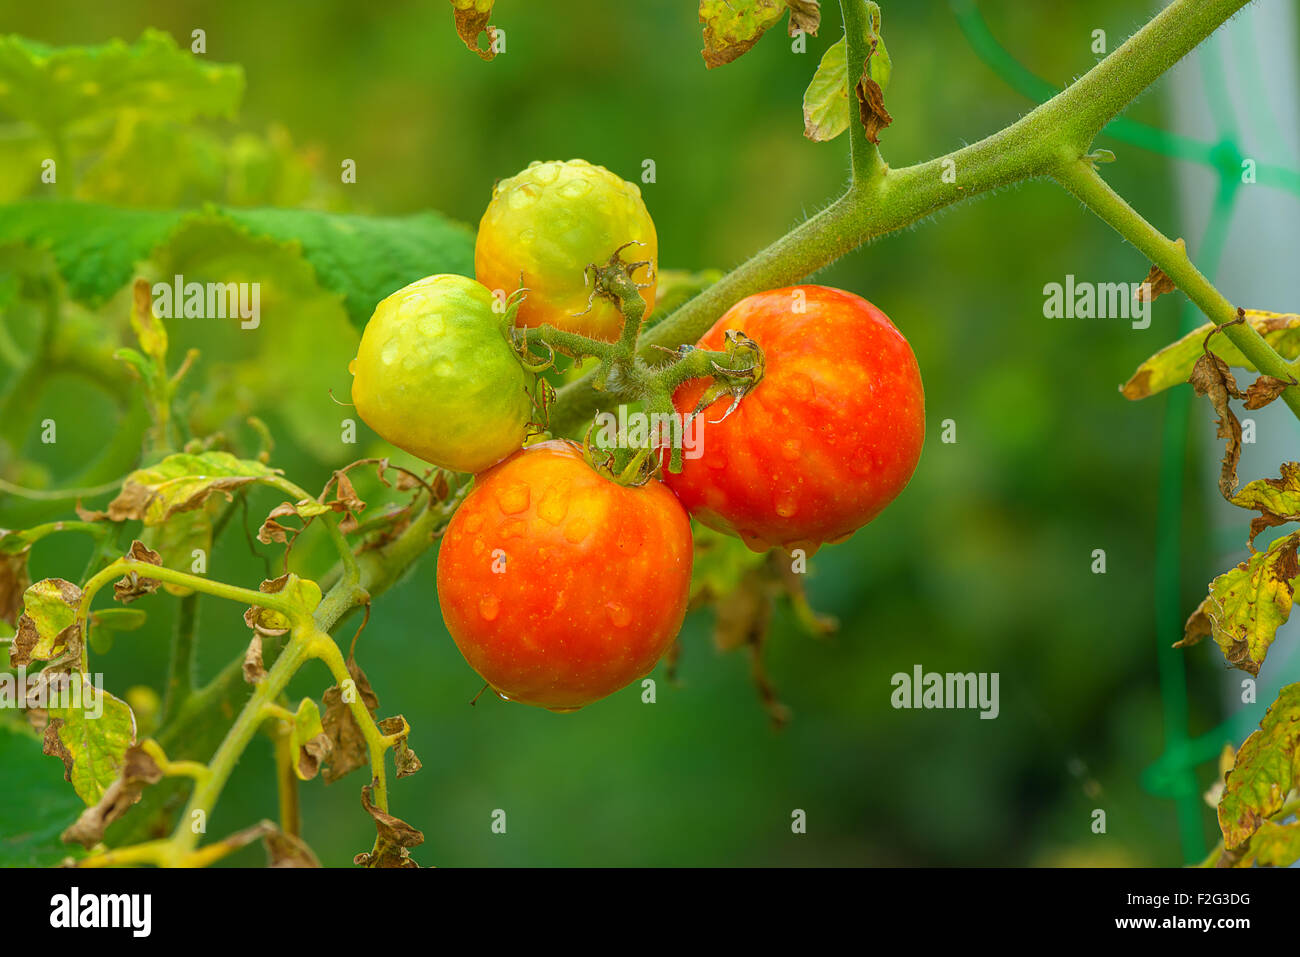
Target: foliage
<point>196,464</point>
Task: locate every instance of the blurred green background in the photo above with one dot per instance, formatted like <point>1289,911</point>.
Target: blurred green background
<point>983,564</point>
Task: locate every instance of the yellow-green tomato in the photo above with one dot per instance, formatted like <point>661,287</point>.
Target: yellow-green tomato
<point>546,225</point>
<point>435,375</point>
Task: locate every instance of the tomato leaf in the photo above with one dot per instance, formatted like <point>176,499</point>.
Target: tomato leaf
<point>1276,845</point>
<point>1264,772</point>
<point>182,482</point>
<point>138,771</point>
<point>1173,364</point>
<point>48,626</point>
<point>361,258</point>
<point>826,101</point>
<point>1277,500</point>
<point>1247,605</point>
<point>91,744</point>
<point>472,18</point>
<point>732,27</point>
<point>51,87</point>
<point>308,740</point>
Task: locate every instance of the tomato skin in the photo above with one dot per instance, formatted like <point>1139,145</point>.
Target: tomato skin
<point>435,376</point>
<point>826,440</point>
<point>548,223</point>
<point>592,584</point>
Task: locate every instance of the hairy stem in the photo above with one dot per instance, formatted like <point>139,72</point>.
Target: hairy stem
<point>1083,181</point>
<point>1036,145</point>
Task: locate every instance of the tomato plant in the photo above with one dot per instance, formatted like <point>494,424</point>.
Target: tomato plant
<point>825,441</point>
<point>545,225</point>
<point>434,375</point>
<point>565,566</point>
<point>559,585</point>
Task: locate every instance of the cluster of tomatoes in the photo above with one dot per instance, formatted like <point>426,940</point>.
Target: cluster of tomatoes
<point>559,584</point>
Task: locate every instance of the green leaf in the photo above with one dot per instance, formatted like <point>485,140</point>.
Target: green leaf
<point>1173,364</point>
<point>182,482</point>
<point>303,593</point>
<point>91,739</point>
<point>51,88</point>
<point>1264,772</point>
<point>1247,605</point>
<point>35,803</point>
<point>362,259</point>
<point>732,27</point>
<point>176,540</point>
<point>307,740</point>
<point>826,102</point>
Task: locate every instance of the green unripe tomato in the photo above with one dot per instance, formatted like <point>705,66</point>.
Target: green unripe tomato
<point>435,375</point>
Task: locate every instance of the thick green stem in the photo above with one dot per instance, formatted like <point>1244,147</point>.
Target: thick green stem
<point>863,154</point>
<point>180,668</point>
<point>1083,181</point>
<point>1058,131</point>
<point>194,820</point>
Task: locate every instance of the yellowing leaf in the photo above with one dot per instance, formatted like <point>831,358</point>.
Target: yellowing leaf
<point>1276,845</point>
<point>1277,500</point>
<point>182,482</point>
<point>1247,605</point>
<point>307,740</point>
<point>48,625</point>
<point>148,328</point>
<point>1173,364</point>
<point>91,739</point>
<point>1264,771</point>
<point>732,27</point>
<point>472,18</point>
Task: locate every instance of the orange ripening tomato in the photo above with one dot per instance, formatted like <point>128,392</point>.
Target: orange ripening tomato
<point>546,224</point>
<point>560,586</point>
<point>826,440</point>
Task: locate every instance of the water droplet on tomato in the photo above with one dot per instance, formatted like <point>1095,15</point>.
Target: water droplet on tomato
<point>786,505</point>
<point>791,449</point>
<point>546,173</point>
<point>489,606</point>
<point>558,710</point>
<point>352,367</point>
<point>521,197</point>
<point>619,614</point>
<point>513,499</point>
<point>553,506</point>
<point>575,188</point>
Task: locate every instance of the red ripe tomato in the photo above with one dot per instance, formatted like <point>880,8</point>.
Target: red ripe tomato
<point>826,440</point>
<point>560,586</point>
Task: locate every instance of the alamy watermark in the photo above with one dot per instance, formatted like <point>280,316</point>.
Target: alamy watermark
<point>1098,300</point>
<point>53,691</point>
<point>931,689</point>
<point>213,300</point>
